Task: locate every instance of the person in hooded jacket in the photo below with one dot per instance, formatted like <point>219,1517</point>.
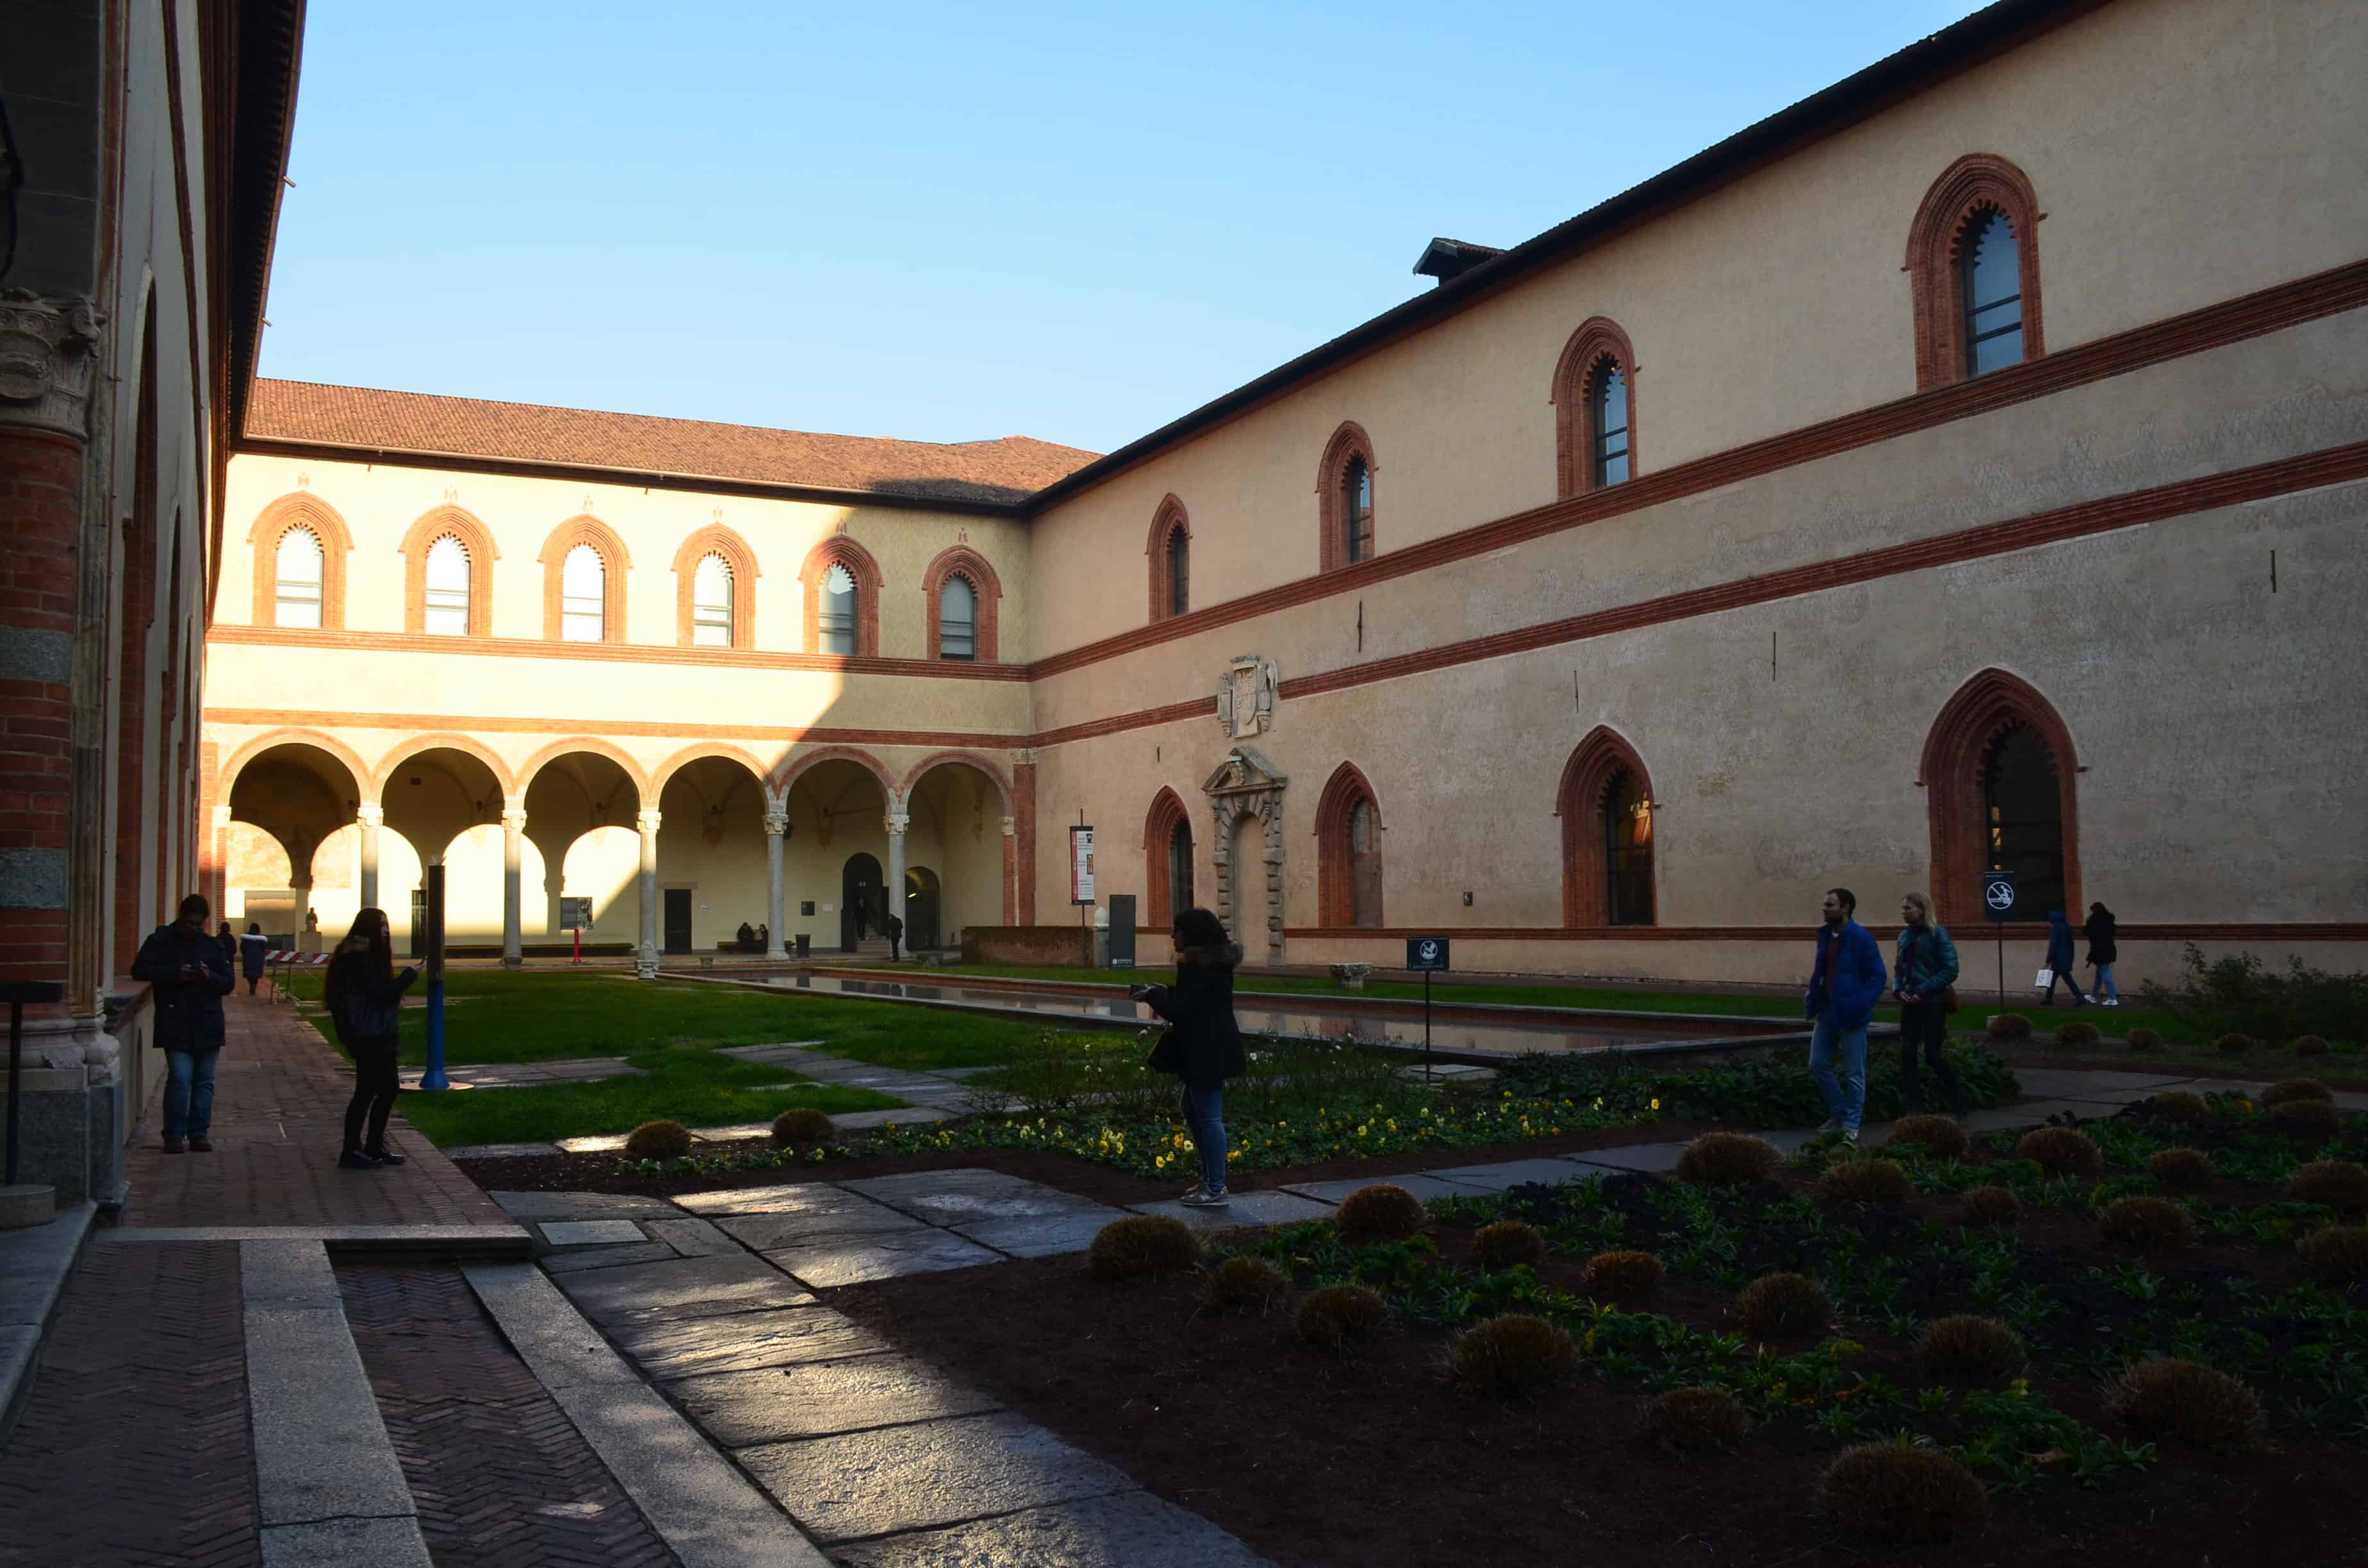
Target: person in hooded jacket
<point>1208,1041</point>
<point>251,948</point>
<point>189,973</point>
<point>364,995</point>
<point>2101,929</point>
<point>2060,959</point>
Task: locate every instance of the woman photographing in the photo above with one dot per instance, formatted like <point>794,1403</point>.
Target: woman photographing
<point>365,999</point>
<point>1204,1046</point>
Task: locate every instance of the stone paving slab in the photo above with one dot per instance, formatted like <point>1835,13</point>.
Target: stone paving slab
<point>2077,1083</point>
<point>899,1116</point>
<point>540,1205</point>
<point>692,1238</point>
<point>821,1399</point>
<point>584,1232</point>
<point>679,1288</point>
<point>34,1265</point>
<point>942,1472</point>
<point>321,1451</point>
<point>748,1341</point>
<point>1246,1208</point>
<point>596,1143</point>
<point>1654,1157</point>
<point>970,1198</point>
<point>856,1260</point>
<point>769,1232</point>
<point>347,1543</point>
<point>780,1197</point>
<point>1512,1174</point>
<point>777,1050</point>
<point>579,1259</point>
<point>498,1151</point>
<point>1425,1187</point>
<point>1125,1529</point>
<point>1048,1235</point>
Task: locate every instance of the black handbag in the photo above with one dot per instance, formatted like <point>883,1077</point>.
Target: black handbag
<point>1166,1055</point>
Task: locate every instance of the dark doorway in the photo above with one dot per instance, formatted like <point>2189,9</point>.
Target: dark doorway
<point>1179,867</point>
<point>858,909</point>
<point>678,920</point>
<point>921,905</point>
<point>2023,814</point>
<point>1628,852</point>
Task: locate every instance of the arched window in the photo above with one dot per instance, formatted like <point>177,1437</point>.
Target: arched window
<point>446,600</point>
<point>1605,805</point>
<point>583,597</point>
<point>1356,512</point>
<point>2000,780</point>
<point>1992,285</point>
<point>297,598</point>
<point>1179,572</point>
<point>1348,851</point>
<point>1364,867</point>
<point>957,619</point>
<point>1628,851</point>
<point>1607,405</point>
<point>1169,549</point>
<point>2022,810</point>
<point>836,621</point>
<point>711,602</point>
<point>1345,484</point>
<point>1180,867</point>
<point>1166,858</point>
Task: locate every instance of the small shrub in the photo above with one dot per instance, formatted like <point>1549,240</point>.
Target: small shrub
<point>1992,1206</point>
<point>1776,1305</point>
<point>1895,1495</point>
<point>1970,1349</point>
<point>1692,1421</point>
<point>2075,1032</point>
<point>1939,1136</point>
<point>2181,1170</point>
<point>1243,1282</point>
<point>2143,1039</point>
<point>2184,1402</point>
<point>2341,1184</point>
<point>2305,1118</point>
<point>1511,1354</point>
<point>2009,1026</point>
<point>1508,1244</point>
<point>2233,1044</point>
<point>2061,1151</point>
<point>2180,1105</point>
<point>2289,1089</point>
<point>2336,1255</point>
<point>1381,1212</point>
<point>1728,1159</point>
<point>2147,1225</point>
<point>1340,1315</point>
<point>1865,1181</point>
<point>2310,1045</point>
<point>803,1127</point>
<point>658,1141</point>
<point>1140,1245</point>
<point>1621,1274</point>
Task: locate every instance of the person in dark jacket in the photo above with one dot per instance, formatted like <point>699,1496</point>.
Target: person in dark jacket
<point>1843,989</point>
<point>2101,929</point>
<point>1208,1041</point>
<point>365,997</point>
<point>1923,970</point>
<point>251,948</point>
<point>2060,959</point>
<point>189,973</point>
<point>892,927</point>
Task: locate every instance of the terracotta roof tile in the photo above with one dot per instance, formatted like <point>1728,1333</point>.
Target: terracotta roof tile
<point>1004,470</point>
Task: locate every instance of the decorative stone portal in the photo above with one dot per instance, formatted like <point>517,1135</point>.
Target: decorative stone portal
<point>1246,788</point>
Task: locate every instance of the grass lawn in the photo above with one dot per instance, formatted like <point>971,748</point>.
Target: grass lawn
<point>690,1084</point>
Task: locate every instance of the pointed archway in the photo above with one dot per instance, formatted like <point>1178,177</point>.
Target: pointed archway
<point>2000,781</point>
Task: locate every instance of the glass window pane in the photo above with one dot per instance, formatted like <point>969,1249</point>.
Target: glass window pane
<point>1609,397</point>
<point>297,570</point>
<point>448,588</point>
<point>711,602</point>
<point>1179,572</point>
<point>583,596</point>
<point>836,619</point>
<point>1357,507</point>
<point>1993,291</point>
<point>957,619</point>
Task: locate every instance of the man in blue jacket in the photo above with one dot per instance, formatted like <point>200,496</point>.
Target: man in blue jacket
<point>1843,988</point>
<point>188,974</point>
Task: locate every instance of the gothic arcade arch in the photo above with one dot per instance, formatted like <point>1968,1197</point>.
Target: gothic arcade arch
<point>1985,711</point>
<point>1585,801</point>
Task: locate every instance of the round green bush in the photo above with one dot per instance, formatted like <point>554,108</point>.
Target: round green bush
<point>2337,1254</point>
<point>2180,1401</point>
<point>2310,1045</point>
<point>1970,1349</point>
<point>658,1141</point>
<point>2288,1089</point>
<point>2233,1044</point>
<point>2062,1152</point>
<point>1512,1354</point>
<point>1381,1212</point>
<point>803,1127</point>
<point>1244,1282</point>
<point>1779,1306</point>
<point>2180,1105</point>
<point>2075,1032</point>
<point>1728,1159</point>
<point>1866,1181</point>
<point>2181,1170</point>
<point>1142,1244</point>
<point>1891,1494</point>
<point>1621,1274</point>
<point>2341,1184</point>
<point>1991,1206</point>
<point>1508,1243</point>
<point>1692,1421</point>
<point>2308,1120</point>
<point>2009,1026</point>
<point>1339,1316</point>
<point>1939,1136</point>
<point>2147,1225</point>
<point>2143,1039</point>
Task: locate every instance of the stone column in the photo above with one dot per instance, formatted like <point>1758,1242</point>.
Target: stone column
<point>371,818</point>
<point>892,897</point>
<point>219,890</point>
<point>513,916</point>
<point>648,964</point>
<point>1011,871</point>
<point>777,825</point>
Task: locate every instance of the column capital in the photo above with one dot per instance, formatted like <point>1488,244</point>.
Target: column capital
<point>1011,826</point>
<point>898,822</point>
<point>648,818</point>
<point>48,348</point>
<point>777,823</point>
<point>221,818</point>
<point>513,819</point>
<point>370,814</point>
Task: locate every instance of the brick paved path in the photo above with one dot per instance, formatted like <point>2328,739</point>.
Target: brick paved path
<point>279,1106</point>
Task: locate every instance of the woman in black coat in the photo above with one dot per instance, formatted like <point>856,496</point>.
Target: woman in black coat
<point>365,997</point>
<point>1208,1042</point>
<point>251,948</point>
<point>2101,929</point>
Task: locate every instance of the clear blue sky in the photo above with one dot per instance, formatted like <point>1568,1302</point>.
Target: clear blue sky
<point>956,222</point>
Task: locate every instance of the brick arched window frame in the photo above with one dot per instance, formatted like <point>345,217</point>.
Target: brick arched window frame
<point>1599,341</point>
<point>961,560</point>
<point>716,539</point>
<point>1348,443</point>
<point>614,564</point>
<point>1166,601</point>
<point>840,551</point>
<point>1167,814</point>
<point>1973,186</point>
<point>1956,753</point>
<point>1600,761</point>
<point>1340,860</point>
<point>473,537</point>
<point>301,510</point>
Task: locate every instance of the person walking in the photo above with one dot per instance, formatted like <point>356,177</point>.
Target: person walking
<point>1843,989</point>
<point>892,927</point>
<point>251,948</point>
<point>2060,959</point>
<point>229,939</point>
<point>189,973</point>
<point>1207,1041</point>
<point>364,995</point>
<point>2101,929</point>
<point>1924,979</point>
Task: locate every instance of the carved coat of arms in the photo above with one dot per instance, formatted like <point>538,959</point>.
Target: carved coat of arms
<point>1245,696</point>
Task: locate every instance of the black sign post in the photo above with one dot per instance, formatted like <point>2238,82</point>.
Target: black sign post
<point>1426,956</point>
<point>1998,903</point>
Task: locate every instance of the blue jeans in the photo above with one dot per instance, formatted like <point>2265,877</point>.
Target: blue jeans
<point>189,1092</point>
<point>2103,986</point>
<point>1204,1116</point>
<point>1845,1100</point>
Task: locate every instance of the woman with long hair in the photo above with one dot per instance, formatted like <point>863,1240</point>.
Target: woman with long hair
<point>365,998</point>
<point>2104,951</point>
<point>1208,1042</point>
